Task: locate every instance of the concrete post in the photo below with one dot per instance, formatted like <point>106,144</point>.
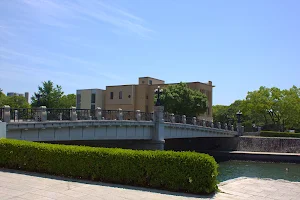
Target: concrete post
<point>204,123</point>
<point>158,136</point>
<point>212,124</point>
<point>219,125</point>
<point>60,116</point>
<point>120,114</point>
<point>138,115</point>
<point>98,113</point>
<point>225,126</point>
<point>6,114</point>
<point>232,128</point>
<point>172,118</point>
<point>2,129</point>
<point>239,129</point>
<point>194,121</point>
<point>152,116</point>
<point>16,115</point>
<point>73,114</point>
<point>259,129</point>
<point>183,119</point>
<point>43,113</point>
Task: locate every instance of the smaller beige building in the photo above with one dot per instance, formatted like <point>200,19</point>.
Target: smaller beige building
<point>90,98</point>
<point>135,96</point>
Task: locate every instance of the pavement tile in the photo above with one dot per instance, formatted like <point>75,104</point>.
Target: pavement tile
<point>31,196</point>
<point>29,186</point>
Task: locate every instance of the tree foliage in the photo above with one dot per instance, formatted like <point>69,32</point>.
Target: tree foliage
<point>50,95</point>
<point>182,100</point>
<point>2,98</point>
<point>67,101</point>
<point>16,102</point>
<point>270,108</point>
<point>13,101</point>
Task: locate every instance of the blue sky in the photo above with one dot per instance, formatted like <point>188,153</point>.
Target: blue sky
<point>238,45</point>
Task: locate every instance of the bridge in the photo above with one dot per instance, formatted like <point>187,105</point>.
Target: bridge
<point>133,129</point>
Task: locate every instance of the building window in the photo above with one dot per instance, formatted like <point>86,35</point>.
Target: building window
<point>78,98</point>
<point>93,98</point>
<point>150,82</point>
<point>120,95</point>
<point>111,95</point>
<point>143,82</point>
<point>93,107</point>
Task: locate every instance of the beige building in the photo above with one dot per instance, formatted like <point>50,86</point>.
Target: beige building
<point>134,97</point>
<point>90,98</point>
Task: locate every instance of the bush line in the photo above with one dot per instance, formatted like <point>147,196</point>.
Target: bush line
<point>175,171</point>
<point>279,134</point>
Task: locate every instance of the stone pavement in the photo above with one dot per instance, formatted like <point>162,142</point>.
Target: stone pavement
<point>21,185</point>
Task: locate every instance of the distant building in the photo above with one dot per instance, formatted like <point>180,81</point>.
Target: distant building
<point>26,95</point>
<point>135,96</point>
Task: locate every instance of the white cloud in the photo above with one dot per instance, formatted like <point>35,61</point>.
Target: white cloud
<point>65,14</point>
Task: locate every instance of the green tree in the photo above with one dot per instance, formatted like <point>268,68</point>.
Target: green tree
<point>220,113</point>
<point>182,100</point>
<point>67,101</point>
<point>16,102</point>
<point>50,95</point>
<point>288,108</point>
<point>227,114</point>
<point>2,98</point>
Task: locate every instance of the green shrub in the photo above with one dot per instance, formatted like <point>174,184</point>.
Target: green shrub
<point>279,134</point>
<point>176,171</point>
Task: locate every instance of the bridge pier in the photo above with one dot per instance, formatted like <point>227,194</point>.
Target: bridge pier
<point>2,129</point>
<point>158,136</point>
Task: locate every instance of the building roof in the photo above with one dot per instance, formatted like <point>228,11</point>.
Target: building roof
<point>152,78</point>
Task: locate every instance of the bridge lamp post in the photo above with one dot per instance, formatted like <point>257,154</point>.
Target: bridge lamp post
<point>38,96</point>
<point>239,116</point>
<point>158,91</point>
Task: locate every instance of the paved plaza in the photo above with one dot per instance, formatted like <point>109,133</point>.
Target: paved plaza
<point>24,185</point>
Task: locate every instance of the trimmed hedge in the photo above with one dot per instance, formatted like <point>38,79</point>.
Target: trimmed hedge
<point>176,171</point>
<point>279,134</point>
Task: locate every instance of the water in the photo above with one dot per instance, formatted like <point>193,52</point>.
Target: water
<point>234,169</point>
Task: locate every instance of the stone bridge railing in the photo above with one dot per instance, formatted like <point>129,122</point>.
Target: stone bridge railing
<point>42,114</point>
<point>44,124</point>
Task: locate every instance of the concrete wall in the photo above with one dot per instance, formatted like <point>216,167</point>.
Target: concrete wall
<point>269,144</point>
<point>247,144</point>
<point>2,130</point>
<point>190,131</point>
<point>81,130</point>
